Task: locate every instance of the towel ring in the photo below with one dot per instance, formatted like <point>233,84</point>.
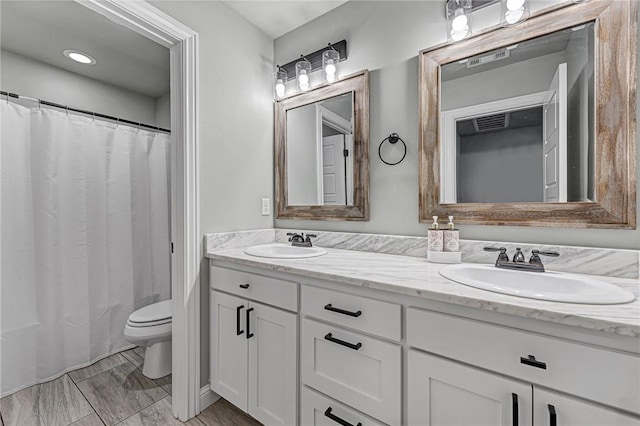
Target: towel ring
<point>393,138</point>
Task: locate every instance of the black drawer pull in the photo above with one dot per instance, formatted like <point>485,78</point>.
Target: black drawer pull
<point>514,401</point>
<point>328,307</point>
<point>249,334</point>
<point>355,347</point>
<point>552,415</point>
<point>238,331</point>
<point>245,286</point>
<point>337,419</point>
<point>532,361</point>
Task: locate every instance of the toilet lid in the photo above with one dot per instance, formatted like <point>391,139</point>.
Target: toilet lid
<point>160,311</point>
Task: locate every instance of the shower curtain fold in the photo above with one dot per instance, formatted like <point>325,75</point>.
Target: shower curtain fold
<point>84,229</point>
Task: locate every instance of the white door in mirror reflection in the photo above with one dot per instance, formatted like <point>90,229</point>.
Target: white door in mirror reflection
<point>334,169</point>
<point>555,139</point>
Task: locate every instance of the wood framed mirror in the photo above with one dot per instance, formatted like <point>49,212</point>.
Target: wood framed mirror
<point>322,152</point>
<point>483,129</point>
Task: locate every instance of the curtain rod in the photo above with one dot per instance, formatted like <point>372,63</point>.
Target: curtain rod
<point>82,111</point>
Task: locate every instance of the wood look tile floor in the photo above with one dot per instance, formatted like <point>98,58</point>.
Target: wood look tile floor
<point>110,392</point>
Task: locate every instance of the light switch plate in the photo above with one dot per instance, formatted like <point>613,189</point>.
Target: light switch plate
<point>266,207</point>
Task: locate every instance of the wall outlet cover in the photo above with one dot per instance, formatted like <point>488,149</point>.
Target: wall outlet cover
<point>266,207</point>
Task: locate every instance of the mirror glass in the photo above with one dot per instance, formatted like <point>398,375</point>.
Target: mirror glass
<point>517,123</point>
<point>319,152</point>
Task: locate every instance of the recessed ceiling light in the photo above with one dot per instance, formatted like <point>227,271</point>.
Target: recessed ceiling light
<point>77,56</point>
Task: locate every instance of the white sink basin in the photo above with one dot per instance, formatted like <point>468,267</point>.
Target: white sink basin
<point>552,286</point>
<point>284,251</point>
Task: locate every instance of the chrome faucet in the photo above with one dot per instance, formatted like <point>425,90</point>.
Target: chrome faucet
<point>534,264</point>
<point>299,240</point>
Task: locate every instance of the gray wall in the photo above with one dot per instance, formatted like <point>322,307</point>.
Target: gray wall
<point>236,127</point>
<point>302,156</point>
<point>38,80</point>
<point>509,164</point>
<point>341,105</point>
<point>385,37</point>
<point>163,111</point>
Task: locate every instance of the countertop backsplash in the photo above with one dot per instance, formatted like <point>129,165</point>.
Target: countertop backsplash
<point>585,260</point>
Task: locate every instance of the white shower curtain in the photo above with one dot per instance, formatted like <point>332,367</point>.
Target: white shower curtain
<point>84,227</point>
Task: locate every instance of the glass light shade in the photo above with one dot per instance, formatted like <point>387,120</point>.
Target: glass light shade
<point>458,19</point>
<point>330,59</point>
<point>513,11</point>
<point>279,83</point>
<point>303,74</point>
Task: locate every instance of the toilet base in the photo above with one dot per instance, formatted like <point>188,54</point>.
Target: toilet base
<point>157,360</point>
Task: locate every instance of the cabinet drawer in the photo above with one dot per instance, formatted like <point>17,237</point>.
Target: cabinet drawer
<point>360,371</point>
<point>319,410</point>
<point>609,377</point>
<point>272,291</point>
<point>361,313</point>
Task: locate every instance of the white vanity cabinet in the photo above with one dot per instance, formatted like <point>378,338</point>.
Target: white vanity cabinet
<point>294,350</point>
<point>254,346</point>
<point>481,366</point>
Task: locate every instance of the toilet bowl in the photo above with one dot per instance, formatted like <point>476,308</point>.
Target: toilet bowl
<point>150,327</point>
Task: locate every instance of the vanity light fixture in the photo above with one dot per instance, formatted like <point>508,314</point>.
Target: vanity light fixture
<point>513,11</point>
<point>325,59</point>
<point>280,80</point>
<point>458,19</point>
<point>330,59</point>
<point>303,71</point>
<point>80,57</point>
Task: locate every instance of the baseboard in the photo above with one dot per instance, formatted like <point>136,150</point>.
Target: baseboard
<point>207,397</point>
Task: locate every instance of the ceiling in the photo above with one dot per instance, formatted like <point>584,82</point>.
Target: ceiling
<point>534,48</point>
<point>276,18</point>
<point>41,30</point>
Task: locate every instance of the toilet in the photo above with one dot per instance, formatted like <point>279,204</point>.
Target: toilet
<point>150,327</point>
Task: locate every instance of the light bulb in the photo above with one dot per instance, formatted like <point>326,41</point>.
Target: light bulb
<point>280,88</point>
<point>330,71</point>
<point>460,21</point>
<point>514,5</point>
<point>303,80</point>
<point>514,16</point>
<point>459,35</point>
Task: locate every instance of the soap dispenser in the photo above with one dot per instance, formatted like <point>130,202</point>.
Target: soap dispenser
<point>435,237</point>
<point>451,237</point>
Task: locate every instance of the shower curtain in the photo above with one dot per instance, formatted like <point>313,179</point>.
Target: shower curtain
<point>84,229</point>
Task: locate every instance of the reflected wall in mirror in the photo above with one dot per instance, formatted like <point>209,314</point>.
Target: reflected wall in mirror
<point>534,124</point>
<point>517,122</point>
<point>322,152</point>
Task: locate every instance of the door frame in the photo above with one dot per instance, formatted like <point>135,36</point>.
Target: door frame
<point>448,171</point>
<point>333,120</point>
<point>182,41</point>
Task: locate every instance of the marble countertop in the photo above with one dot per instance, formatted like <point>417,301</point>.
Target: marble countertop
<point>416,277</point>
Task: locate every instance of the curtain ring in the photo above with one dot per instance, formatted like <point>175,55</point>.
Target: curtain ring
<point>393,138</point>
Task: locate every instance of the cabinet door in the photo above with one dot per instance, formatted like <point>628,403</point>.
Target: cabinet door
<point>228,358</point>
<point>447,393</point>
<point>555,409</point>
<point>272,336</point>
